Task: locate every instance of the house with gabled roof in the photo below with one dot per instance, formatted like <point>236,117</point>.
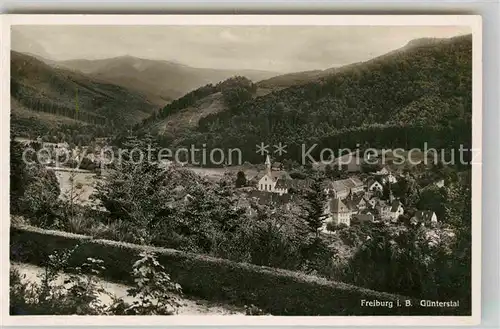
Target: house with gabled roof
<point>374,185</point>
<point>342,187</point>
<point>424,217</point>
<point>382,172</point>
<point>277,181</point>
<point>339,212</point>
<point>396,210</point>
<point>356,202</point>
<point>388,175</point>
<point>371,200</point>
<point>383,209</point>
<point>269,180</point>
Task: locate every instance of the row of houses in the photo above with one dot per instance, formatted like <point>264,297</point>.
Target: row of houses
<point>361,210</point>
<point>349,200</point>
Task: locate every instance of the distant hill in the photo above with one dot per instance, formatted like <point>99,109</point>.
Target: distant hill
<point>39,87</point>
<point>159,81</point>
<point>420,93</point>
<point>23,44</point>
<point>290,79</point>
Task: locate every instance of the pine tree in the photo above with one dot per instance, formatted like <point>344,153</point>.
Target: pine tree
<point>18,175</point>
<point>314,206</point>
<point>241,180</point>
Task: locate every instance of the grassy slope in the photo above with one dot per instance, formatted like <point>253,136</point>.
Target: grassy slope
<point>187,119</point>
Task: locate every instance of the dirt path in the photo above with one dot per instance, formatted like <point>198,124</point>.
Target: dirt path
<point>190,306</point>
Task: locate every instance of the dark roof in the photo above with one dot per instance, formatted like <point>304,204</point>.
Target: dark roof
<point>268,198</point>
<point>293,183</point>
<point>366,211</point>
<point>371,181</point>
<point>337,206</point>
<point>353,201</point>
<point>275,175</point>
<point>345,184</point>
<point>395,205</point>
<point>424,215</point>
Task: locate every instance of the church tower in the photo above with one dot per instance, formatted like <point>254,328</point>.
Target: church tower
<point>268,165</point>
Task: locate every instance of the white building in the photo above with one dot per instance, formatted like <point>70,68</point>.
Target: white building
<point>424,217</point>
<point>396,210</point>
<point>375,186</point>
<point>274,181</point>
<point>338,212</point>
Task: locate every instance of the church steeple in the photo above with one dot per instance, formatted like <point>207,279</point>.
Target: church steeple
<point>268,165</point>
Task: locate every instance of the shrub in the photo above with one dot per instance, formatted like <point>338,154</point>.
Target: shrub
<point>154,291</point>
<point>77,294</point>
<point>82,224</point>
<point>333,227</point>
<point>273,290</point>
<point>80,293</point>
<point>39,201</point>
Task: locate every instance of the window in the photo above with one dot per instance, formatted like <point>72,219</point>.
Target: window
<point>261,186</point>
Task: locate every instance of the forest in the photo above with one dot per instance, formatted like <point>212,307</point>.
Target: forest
<point>402,99</point>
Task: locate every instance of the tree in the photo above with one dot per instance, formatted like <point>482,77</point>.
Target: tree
<point>407,190</point>
<point>136,193</point>
<point>433,198</point>
<point>18,175</point>
<point>40,201</point>
<point>370,168</point>
<point>332,172</point>
<point>314,251</point>
<point>241,179</point>
<point>328,171</point>
<point>314,205</point>
<point>386,191</point>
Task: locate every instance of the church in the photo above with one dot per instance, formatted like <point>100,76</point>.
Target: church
<point>275,181</point>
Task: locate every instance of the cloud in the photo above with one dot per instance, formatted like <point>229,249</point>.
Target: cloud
<point>273,48</point>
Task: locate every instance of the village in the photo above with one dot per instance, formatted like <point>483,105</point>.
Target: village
<point>349,201</point>
<point>243,169</point>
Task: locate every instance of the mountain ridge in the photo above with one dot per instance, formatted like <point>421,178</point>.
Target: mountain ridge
<point>160,81</point>
<point>424,90</point>
<point>39,87</point>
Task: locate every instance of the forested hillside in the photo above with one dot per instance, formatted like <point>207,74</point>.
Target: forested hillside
<point>179,118</point>
<point>420,93</point>
<point>159,81</point>
<point>38,87</point>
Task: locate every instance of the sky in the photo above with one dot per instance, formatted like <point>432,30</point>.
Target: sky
<point>269,48</point>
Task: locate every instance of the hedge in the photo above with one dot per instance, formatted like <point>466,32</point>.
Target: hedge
<point>279,292</point>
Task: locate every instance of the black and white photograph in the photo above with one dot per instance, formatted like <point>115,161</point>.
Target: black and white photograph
<point>201,167</point>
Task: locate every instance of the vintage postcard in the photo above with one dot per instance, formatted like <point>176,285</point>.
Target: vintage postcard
<point>257,170</point>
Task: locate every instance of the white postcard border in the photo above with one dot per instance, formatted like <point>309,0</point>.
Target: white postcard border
<point>473,21</point>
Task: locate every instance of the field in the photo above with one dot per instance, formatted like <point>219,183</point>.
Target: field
<point>217,173</point>
<point>82,182</point>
